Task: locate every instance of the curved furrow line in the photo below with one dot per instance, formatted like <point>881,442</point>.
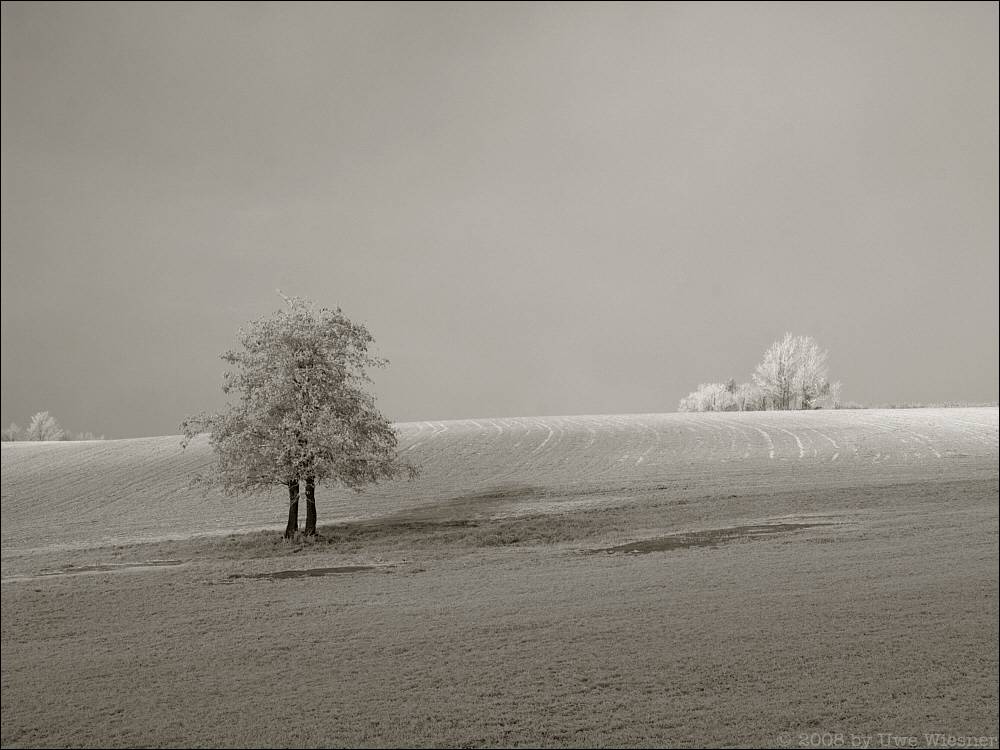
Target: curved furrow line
<point>894,432</point>
<point>701,439</point>
<point>654,445</point>
<point>826,437</point>
<point>557,424</point>
<point>719,433</point>
<point>416,441</point>
<point>767,438</point>
<point>981,432</point>
<point>740,427</point>
<point>802,450</point>
<point>542,424</point>
<point>922,438</point>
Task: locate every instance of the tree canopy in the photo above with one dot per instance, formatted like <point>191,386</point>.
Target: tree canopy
<point>793,373</point>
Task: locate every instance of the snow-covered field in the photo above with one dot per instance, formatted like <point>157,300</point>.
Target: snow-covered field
<point>702,580</point>
<point>77,494</point>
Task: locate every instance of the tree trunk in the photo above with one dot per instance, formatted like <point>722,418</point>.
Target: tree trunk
<point>310,507</point>
<point>293,509</point>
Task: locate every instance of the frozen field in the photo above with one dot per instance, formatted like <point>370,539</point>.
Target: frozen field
<point>74,494</point>
<point>759,579</point>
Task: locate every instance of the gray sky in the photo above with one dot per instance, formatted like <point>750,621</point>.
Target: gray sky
<point>536,208</point>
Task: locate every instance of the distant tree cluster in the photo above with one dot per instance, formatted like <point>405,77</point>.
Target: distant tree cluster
<point>43,426</point>
<point>792,375</point>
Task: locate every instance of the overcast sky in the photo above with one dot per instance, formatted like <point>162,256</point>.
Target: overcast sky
<point>537,209</point>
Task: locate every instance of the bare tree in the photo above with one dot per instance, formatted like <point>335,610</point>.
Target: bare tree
<point>793,373</point>
<point>710,397</point>
<point>810,372</point>
<point>749,398</point>
<point>12,433</point>
<point>775,375</point>
<point>835,397</point>
<point>43,426</point>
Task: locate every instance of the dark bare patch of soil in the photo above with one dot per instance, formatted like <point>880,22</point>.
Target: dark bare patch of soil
<point>109,567</point>
<point>706,538</point>
<point>306,573</point>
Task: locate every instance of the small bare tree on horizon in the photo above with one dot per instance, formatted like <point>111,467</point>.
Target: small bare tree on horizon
<point>43,426</point>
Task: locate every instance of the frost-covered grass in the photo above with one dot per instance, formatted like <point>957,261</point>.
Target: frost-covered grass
<point>883,620</point>
<point>468,608</point>
<point>79,494</point>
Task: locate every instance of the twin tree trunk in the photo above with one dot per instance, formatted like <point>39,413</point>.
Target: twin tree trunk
<point>310,507</point>
<point>293,508</point>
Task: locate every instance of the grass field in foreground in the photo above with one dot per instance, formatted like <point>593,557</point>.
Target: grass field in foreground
<point>488,619</point>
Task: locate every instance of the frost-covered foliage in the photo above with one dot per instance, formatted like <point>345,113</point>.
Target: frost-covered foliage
<point>302,411</point>
<point>792,375</point>
<point>709,397</point>
<point>723,397</point>
<point>750,398</point>
<point>43,426</point>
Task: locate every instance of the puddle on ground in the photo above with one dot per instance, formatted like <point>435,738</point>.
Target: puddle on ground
<point>306,573</point>
<point>706,538</point>
<point>109,567</point>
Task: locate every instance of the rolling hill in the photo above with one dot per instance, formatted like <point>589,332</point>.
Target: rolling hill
<point>78,494</point>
